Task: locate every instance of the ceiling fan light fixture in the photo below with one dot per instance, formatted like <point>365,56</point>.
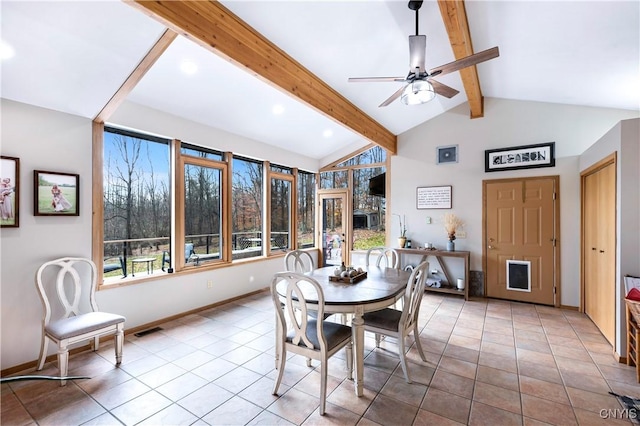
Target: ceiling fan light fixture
<point>418,92</point>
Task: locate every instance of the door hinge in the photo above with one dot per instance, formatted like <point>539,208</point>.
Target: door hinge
<point>554,289</point>
<point>554,196</point>
<point>553,240</point>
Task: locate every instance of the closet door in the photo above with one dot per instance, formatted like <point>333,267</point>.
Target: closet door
<point>599,242</point>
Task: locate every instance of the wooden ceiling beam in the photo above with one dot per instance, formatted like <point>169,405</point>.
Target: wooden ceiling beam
<point>454,16</point>
<point>134,78</point>
<point>216,28</point>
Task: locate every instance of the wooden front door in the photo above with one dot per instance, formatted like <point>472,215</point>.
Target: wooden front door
<point>520,250</point>
<point>598,245</point>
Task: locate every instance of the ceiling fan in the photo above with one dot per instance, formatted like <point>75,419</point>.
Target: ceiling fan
<point>420,86</point>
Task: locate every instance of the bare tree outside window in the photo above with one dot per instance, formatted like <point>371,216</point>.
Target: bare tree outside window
<point>137,208</point>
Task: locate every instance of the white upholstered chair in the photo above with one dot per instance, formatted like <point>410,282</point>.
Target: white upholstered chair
<point>298,261</point>
<point>300,333</point>
<point>73,316</point>
<point>400,323</point>
<point>385,256</point>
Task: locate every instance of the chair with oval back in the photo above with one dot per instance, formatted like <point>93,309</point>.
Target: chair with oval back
<point>298,261</point>
<point>300,333</point>
<point>76,317</point>
<point>400,323</point>
<point>389,257</point>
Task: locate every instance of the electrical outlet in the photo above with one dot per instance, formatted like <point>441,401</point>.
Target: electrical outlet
<point>434,272</point>
<point>461,234</point>
<point>428,220</point>
<point>209,284</point>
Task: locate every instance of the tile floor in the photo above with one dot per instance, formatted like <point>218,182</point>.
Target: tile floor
<point>488,362</point>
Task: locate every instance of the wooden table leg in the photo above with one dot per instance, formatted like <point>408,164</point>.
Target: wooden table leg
<point>357,325</point>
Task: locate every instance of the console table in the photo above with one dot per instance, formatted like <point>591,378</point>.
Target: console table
<point>450,286</point>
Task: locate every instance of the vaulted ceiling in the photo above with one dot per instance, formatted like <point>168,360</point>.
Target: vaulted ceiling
<point>80,57</point>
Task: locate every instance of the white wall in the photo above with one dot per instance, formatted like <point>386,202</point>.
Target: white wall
<point>53,141</point>
<point>624,139</point>
<point>506,123</point>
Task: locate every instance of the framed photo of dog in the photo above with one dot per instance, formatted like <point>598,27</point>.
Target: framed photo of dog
<point>56,194</point>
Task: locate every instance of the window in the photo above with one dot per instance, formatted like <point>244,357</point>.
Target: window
<point>203,214</point>
<point>367,207</point>
<point>305,212</point>
<point>136,200</point>
<point>246,208</point>
<point>281,197</point>
<point>172,206</point>
<point>368,211</point>
<point>334,180</point>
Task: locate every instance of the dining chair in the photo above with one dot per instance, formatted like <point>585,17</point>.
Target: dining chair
<point>400,323</point>
<point>386,256</point>
<point>74,316</point>
<point>302,334</point>
<point>298,261</point>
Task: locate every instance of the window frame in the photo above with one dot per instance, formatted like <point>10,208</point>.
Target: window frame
<point>177,161</point>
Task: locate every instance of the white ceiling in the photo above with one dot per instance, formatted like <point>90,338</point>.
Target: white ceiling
<point>72,56</point>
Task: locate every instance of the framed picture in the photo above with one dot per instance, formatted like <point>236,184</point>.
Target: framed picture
<point>433,197</point>
<point>56,194</point>
<point>520,157</point>
<point>9,192</point>
<point>447,154</point>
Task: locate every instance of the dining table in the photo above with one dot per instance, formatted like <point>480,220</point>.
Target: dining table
<point>381,288</point>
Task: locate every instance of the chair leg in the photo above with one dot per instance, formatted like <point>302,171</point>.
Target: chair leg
<point>119,342</point>
<point>96,343</point>
<point>43,352</point>
<point>418,344</point>
<point>308,362</point>
<point>378,338</point>
<point>323,385</point>
<point>283,355</point>
<point>403,358</point>
<point>63,362</point>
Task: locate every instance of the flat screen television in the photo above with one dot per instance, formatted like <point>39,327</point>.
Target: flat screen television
<point>377,185</point>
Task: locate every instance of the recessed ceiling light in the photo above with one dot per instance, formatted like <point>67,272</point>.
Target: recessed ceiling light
<point>277,109</point>
<point>327,133</point>
<point>189,67</point>
<point>6,51</point>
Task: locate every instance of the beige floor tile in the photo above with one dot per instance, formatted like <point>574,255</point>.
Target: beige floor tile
<point>409,393</point>
<point>486,415</point>
<point>172,415</point>
<point>389,411</point>
<point>547,411</point>
<point>294,406</point>
<point>446,405</point>
<point>539,371</point>
<point>344,396</point>
<point>496,377</point>
<point>334,415</point>
<point>140,408</point>
<point>234,411</point>
<point>500,362</point>
<point>498,397</point>
<point>458,367</point>
<point>542,389</point>
<point>203,400</point>
<point>449,382</point>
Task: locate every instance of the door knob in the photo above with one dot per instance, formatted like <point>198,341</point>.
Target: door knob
<point>601,251</point>
<point>593,248</point>
<point>490,247</point>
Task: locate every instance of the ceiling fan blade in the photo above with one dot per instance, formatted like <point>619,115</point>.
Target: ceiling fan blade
<point>417,52</point>
<point>374,79</point>
<point>393,97</point>
<point>468,61</point>
<point>443,89</point>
